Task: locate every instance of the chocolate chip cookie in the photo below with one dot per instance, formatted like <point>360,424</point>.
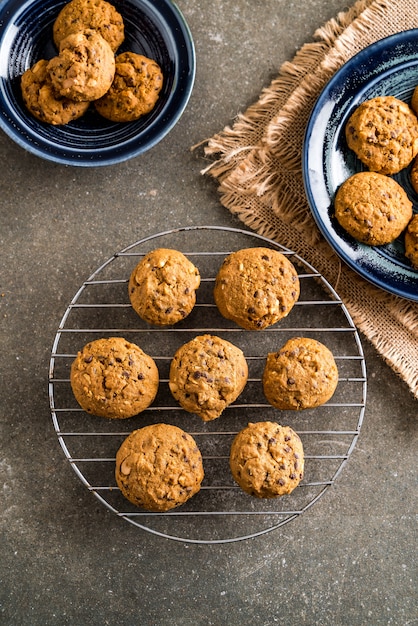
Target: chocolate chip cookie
<point>411,241</point>
<point>98,15</point>
<point>414,175</point>
<point>267,460</point>
<point>206,375</point>
<point>414,101</point>
<point>383,132</point>
<point>114,378</point>
<point>159,467</point>
<point>162,287</point>
<point>301,375</point>
<point>256,287</point>
<point>372,208</point>
<point>41,100</point>
<point>134,91</point>
<point>84,68</point>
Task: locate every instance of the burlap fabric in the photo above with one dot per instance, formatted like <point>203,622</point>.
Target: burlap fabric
<point>257,162</point>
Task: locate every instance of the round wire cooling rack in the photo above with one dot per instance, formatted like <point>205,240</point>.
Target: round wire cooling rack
<point>221,512</point>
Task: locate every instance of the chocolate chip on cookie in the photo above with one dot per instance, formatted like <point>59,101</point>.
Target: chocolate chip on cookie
<point>162,287</point>
<point>383,132</point>
<point>159,467</point>
<point>256,287</point>
<point>207,374</point>
<point>411,241</point>
<point>134,91</point>
<point>41,100</point>
<point>84,68</point>
<point>267,460</point>
<point>301,375</point>
<point>98,15</point>
<point>372,208</point>
<point>114,378</point>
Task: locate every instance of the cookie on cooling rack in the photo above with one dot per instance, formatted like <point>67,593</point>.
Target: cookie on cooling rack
<point>159,467</point>
<point>114,378</point>
<point>84,69</point>
<point>98,15</point>
<point>267,460</point>
<point>162,287</point>
<point>372,208</point>
<point>134,91</point>
<point>256,287</point>
<point>301,375</point>
<point>41,100</point>
<point>206,375</point>
<point>411,241</point>
<point>383,132</point>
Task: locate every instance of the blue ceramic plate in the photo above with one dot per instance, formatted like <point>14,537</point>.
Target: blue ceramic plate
<point>387,67</point>
<point>154,28</point>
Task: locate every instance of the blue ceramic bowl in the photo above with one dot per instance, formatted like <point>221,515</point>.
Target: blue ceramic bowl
<point>387,67</point>
<point>154,28</point>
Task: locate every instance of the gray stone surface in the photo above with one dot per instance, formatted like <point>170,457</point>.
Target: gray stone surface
<point>65,559</point>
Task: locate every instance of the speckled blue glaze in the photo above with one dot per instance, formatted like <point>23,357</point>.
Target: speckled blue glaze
<point>387,67</point>
<point>154,28</point>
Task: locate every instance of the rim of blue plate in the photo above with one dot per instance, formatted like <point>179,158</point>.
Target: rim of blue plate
<point>386,67</point>
<point>156,29</point>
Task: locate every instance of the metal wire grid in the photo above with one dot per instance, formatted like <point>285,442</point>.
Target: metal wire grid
<point>221,512</point>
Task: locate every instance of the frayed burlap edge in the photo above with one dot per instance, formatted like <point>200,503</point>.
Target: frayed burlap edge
<point>234,143</point>
<point>258,166</point>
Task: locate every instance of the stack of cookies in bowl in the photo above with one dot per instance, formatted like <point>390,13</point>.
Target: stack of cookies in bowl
<point>86,72</point>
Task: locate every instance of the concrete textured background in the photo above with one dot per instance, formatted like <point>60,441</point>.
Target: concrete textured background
<point>65,559</point>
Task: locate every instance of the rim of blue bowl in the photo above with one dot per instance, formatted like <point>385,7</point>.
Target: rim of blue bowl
<point>93,141</point>
<point>363,76</point>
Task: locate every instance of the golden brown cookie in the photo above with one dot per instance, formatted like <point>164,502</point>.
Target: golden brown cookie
<point>372,208</point>
<point>383,132</point>
<point>256,287</point>
<point>41,100</point>
<point>84,68</point>
<point>114,378</point>
<point>267,460</point>
<point>301,375</point>
<point>206,375</point>
<point>98,15</point>
<point>134,91</point>
<point>414,174</point>
<point>162,287</point>
<point>414,101</point>
<point>411,241</point>
<point>159,467</point>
